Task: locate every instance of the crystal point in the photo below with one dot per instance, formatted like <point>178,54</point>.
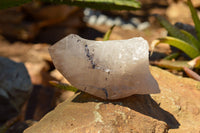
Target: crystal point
<point>106,69</point>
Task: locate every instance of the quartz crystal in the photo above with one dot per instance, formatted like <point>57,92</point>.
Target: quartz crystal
<point>106,69</point>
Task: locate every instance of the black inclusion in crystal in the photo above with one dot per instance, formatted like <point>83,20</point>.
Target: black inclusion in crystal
<point>90,56</point>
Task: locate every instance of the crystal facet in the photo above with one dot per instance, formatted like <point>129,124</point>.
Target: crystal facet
<point>106,69</point>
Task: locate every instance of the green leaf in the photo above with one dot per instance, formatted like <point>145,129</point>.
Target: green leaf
<point>172,30</point>
<point>12,3</point>
<point>63,86</point>
<point>175,65</point>
<point>96,4</point>
<point>195,18</point>
<point>195,42</point>
<point>107,35</point>
<point>101,4</point>
<point>172,56</point>
<point>191,51</point>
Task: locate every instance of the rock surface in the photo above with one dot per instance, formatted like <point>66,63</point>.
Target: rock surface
<point>15,87</point>
<point>180,97</point>
<point>109,76</point>
<point>85,113</point>
<point>177,107</point>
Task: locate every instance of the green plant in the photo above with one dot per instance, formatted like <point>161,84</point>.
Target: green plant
<point>63,86</point>
<point>11,3</point>
<point>184,41</point>
<point>97,4</point>
<point>108,33</point>
<point>181,39</point>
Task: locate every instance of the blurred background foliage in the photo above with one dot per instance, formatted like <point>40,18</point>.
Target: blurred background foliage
<point>97,4</point>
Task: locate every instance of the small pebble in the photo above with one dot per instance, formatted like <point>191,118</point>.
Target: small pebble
<point>92,19</point>
<point>143,25</point>
<point>101,19</point>
<point>128,26</point>
<point>117,21</point>
<point>109,22</point>
<point>135,21</point>
<point>87,12</point>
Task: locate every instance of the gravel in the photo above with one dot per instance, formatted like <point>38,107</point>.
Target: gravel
<point>94,17</point>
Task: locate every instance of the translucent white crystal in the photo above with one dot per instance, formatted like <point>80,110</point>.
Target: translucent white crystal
<point>106,69</point>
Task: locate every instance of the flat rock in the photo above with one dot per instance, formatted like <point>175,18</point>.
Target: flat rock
<point>180,97</point>
<point>86,113</point>
<point>177,107</point>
